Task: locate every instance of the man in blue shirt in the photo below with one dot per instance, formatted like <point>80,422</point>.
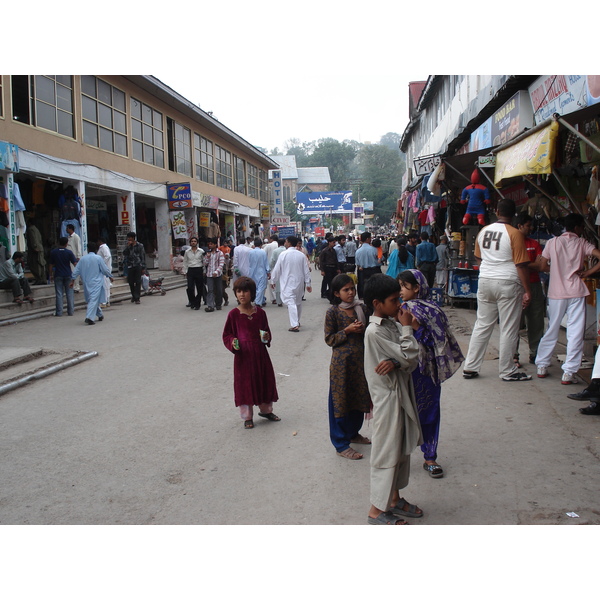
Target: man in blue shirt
<point>427,258</point>
<point>366,261</point>
<point>61,260</point>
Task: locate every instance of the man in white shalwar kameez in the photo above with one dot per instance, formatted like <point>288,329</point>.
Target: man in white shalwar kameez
<point>292,272</point>
<point>259,271</point>
<point>93,271</point>
<point>104,253</point>
<point>241,261</point>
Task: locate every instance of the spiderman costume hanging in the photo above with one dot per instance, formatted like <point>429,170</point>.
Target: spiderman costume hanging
<point>477,196</point>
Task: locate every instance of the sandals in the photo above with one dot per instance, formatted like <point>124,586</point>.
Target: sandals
<point>269,416</point>
<point>386,518</point>
<point>30,299</point>
<point>360,439</point>
<point>434,471</point>
<point>350,454</point>
<point>411,512</point>
<point>470,374</point>
<point>294,329</point>
<point>249,424</point>
<point>18,301</point>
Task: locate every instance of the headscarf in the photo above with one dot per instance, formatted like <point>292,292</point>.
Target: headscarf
<point>439,353</point>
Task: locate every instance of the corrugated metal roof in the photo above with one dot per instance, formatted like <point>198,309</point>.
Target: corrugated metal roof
<point>308,175</point>
<point>287,163</point>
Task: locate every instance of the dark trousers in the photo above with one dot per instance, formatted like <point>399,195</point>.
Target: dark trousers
<point>363,276</point>
<point>134,279</point>
<point>196,292</point>
<point>330,273</point>
<point>428,269</point>
<point>17,286</point>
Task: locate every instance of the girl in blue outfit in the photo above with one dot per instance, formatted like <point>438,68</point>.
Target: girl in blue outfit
<point>349,398</point>
<point>439,358</point>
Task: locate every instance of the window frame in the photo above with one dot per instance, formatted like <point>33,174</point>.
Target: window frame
<point>144,127</point>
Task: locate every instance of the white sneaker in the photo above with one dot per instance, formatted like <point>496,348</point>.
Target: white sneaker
<point>542,372</point>
<point>569,378</point>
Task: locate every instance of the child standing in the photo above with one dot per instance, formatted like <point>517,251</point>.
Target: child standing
<point>391,353</point>
<point>349,398</point>
<point>439,358</point>
<point>247,335</point>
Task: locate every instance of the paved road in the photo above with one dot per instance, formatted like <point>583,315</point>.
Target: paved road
<point>147,433</point>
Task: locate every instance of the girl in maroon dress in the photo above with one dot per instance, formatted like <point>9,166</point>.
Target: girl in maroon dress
<point>247,335</point>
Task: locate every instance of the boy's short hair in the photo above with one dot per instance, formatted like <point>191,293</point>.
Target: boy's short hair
<point>379,287</point>
<point>245,284</point>
<point>132,235</point>
<point>523,218</point>
<point>63,241</point>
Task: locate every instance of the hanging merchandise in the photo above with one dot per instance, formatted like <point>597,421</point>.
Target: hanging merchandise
<point>477,196</point>
<point>69,204</point>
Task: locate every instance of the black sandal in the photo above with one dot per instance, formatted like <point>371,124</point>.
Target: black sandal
<point>249,424</point>
<point>269,416</point>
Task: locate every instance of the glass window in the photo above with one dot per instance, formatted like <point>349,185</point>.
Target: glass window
<point>183,151</point>
<point>240,175</point>
<point>44,101</point>
<point>203,159</point>
<point>104,105</point>
<point>264,186</point>
<point>253,190</point>
<point>147,134</point>
<point>223,168</point>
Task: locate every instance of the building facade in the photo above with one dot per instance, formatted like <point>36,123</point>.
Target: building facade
<point>120,153</point>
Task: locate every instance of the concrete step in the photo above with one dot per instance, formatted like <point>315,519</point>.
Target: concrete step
<point>45,298</point>
<point>20,366</point>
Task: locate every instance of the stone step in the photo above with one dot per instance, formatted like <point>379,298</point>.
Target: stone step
<point>45,298</point>
<point>20,366</point>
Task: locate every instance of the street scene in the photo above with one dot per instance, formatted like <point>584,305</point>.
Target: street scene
<point>146,432</point>
<point>228,321</point>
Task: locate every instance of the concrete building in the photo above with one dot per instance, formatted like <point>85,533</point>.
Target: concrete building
<point>133,153</point>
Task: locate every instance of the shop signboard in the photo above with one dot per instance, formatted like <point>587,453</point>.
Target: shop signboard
<point>285,231</point>
<point>509,120</point>
<point>9,157</point>
<point>533,155</point>
<point>487,162</point>
<point>178,224</point>
<point>276,178</point>
<point>204,218</point>
<point>264,212</point>
<point>481,138</point>
<point>205,200</point>
<point>426,165</point>
<point>368,205</point>
<point>323,202</point>
<point>283,221</point>
<point>179,195</point>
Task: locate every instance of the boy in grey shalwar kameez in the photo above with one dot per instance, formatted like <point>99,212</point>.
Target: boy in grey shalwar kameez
<point>391,354</point>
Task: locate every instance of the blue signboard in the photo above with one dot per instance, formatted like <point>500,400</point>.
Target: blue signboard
<point>313,203</point>
<point>179,196</point>
<point>9,157</point>
<point>285,231</point>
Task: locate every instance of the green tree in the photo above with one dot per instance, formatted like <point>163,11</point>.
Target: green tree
<point>338,157</point>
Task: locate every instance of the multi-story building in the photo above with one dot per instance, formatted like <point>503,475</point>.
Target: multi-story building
<point>133,153</point>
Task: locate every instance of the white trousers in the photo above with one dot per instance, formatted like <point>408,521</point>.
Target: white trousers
<point>497,300</point>
<point>295,312</point>
<point>574,308</point>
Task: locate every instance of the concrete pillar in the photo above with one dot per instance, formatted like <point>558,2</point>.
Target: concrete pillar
<point>163,235</point>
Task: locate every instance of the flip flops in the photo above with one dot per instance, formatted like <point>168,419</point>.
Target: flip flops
<point>249,424</point>
<point>269,416</point>
<point>434,471</point>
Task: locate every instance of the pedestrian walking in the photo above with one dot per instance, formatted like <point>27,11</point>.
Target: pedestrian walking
<point>259,270</point>
<point>193,269</point>
<point>134,256</point>
<point>61,262</point>
<point>92,270</point>
<point>214,262</point>
<point>247,335</point>
<point>439,358</point>
<point>349,398</point>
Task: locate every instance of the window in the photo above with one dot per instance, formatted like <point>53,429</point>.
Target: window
<point>44,101</point>
<point>253,190</point>
<point>179,139</point>
<point>1,96</point>
<point>240,175</point>
<point>223,168</point>
<point>264,186</point>
<point>147,141</point>
<point>103,112</point>
<point>203,159</point>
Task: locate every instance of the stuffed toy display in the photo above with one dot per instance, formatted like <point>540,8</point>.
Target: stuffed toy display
<point>477,196</point>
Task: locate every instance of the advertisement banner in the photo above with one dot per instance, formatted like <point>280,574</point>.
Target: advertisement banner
<point>178,223</point>
<point>312,203</point>
<point>9,157</point>
<point>205,200</point>
<point>179,195</point>
<point>562,94</point>
<point>532,156</point>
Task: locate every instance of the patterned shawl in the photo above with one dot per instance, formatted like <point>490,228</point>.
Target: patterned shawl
<point>439,353</point>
